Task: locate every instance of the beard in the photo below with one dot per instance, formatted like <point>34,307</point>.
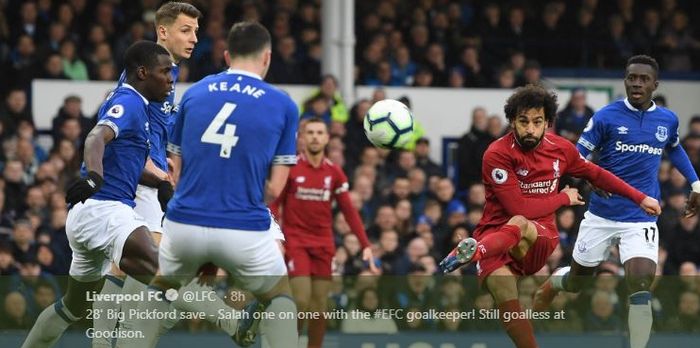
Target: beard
<point>528,142</point>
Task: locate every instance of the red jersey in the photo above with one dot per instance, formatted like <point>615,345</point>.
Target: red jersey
<point>306,201</point>
<point>526,182</point>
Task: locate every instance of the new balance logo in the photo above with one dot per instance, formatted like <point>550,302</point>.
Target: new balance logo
<point>622,130</point>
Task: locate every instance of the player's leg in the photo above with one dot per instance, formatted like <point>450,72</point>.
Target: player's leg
<point>299,269</point>
<point>321,259</point>
<point>114,283</point>
<point>258,266</point>
<point>502,284</point>
<point>639,248</point>
<point>90,242</point>
<point>181,251</point>
<point>594,237</point>
<point>320,287</point>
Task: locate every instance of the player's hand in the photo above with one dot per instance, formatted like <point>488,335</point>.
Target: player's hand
<point>575,198</point>
<point>83,188</point>
<point>207,274</point>
<point>651,206</point>
<point>599,191</point>
<point>165,192</point>
<point>368,257</point>
<point>692,204</point>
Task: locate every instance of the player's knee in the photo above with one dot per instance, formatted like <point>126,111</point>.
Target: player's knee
<point>520,221</point>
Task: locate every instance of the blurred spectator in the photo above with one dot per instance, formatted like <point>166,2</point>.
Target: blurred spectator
<point>71,109</point>
<point>572,120</point>
<point>403,68</point>
<point>678,43</point>
<point>684,243</point>
<point>423,161</point>
<point>617,45</point>
<point>73,66</point>
<point>53,68</point>
<point>471,149</point>
<point>601,317</point>
<point>368,302</point>
<point>688,317</point>
<point>14,110</point>
<point>285,68</point>
<point>7,260</point>
<point>328,91</point>
<point>15,315</point>
<point>23,241</point>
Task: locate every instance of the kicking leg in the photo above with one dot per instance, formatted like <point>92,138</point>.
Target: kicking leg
<point>502,284</point>
<point>571,279</point>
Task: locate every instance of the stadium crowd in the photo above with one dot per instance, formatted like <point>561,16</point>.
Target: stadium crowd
<point>414,214</point>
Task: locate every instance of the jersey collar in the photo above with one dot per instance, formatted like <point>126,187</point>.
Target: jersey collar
<point>137,92</point>
<point>243,72</point>
<point>629,106</point>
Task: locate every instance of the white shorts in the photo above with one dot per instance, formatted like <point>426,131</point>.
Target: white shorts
<point>148,206</point>
<point>596,234</point>
<point>97,231</point>
<point>252,257</point>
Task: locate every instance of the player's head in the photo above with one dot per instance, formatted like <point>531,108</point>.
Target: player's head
<point>315,135</point>
<point>641,74</point>
<point>176,27</point>
<point>148,69</point>
<point>530,110</point>
<point>249,47</point>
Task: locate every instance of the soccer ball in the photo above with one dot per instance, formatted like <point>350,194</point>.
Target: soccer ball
<point>389,124</point>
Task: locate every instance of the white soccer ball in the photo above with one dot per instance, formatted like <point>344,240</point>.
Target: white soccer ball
<point>389,124</point>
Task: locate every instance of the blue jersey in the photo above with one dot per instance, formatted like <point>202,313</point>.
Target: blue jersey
<point>126,112</point>
<point>630,143</point>
<point>162,118</point>
<point>231,128</point>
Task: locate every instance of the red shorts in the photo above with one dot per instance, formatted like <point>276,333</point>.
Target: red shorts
<point>533,261</point>
<point>314,261</point>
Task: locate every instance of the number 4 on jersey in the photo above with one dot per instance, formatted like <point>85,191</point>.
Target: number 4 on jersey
<point>228,138</point>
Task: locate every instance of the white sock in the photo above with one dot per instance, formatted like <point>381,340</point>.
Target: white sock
<point>640,319</point>
<point>559,278</point>
<point>49,326</point>
<point>104,322</point>
<point>211,309</point>
<point>276,333</point>
<point>145,331</point>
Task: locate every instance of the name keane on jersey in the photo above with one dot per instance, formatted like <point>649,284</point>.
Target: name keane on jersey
<point>539,187</point>
<point>639,148</point>
<point>313,194</point>
<point>223,86</point>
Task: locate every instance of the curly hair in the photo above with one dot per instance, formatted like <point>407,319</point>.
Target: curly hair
<point>529,97</point>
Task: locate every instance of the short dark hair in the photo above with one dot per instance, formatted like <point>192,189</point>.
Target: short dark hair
<point>142,53</point>
<point>315,119</point>
<point>247,38</point>
<point>529,97</point>
<point>167,14</point>
<point>643,59</point>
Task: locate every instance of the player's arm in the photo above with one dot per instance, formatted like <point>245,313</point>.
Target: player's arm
<point>679,159</point>
<point>498,173</point>
<point>589,141</point>
<point>285,154</point>
<point>277,206</point>
<point>275,185</point>
<point>83,188</point>
<point>152,175</point>
<point>603,179</point>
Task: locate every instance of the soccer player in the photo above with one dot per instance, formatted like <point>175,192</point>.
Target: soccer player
<point>314,182</point>
<point>233,129</point>
<point>176,31</point>
<point>102,224</point>
<point>630,135</point>
<point>517,232</point>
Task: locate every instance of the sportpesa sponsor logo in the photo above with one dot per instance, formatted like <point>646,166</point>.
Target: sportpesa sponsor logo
<point>639,148</point>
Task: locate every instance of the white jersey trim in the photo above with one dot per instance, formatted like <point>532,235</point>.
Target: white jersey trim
<point>110,124</point>
<point>174,149</point>
<point>285,159</point>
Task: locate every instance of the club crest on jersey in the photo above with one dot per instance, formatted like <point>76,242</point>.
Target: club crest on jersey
<point>555,166</point>
<point>661,133</point>
<point>117,111</point>
<point>327,182</point>
<point>300,179</point>
<point>499,175</point>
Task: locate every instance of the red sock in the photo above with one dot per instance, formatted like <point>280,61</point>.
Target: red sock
<point>497,243</point>
<point>519,330</point>
<point>317,329</point>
